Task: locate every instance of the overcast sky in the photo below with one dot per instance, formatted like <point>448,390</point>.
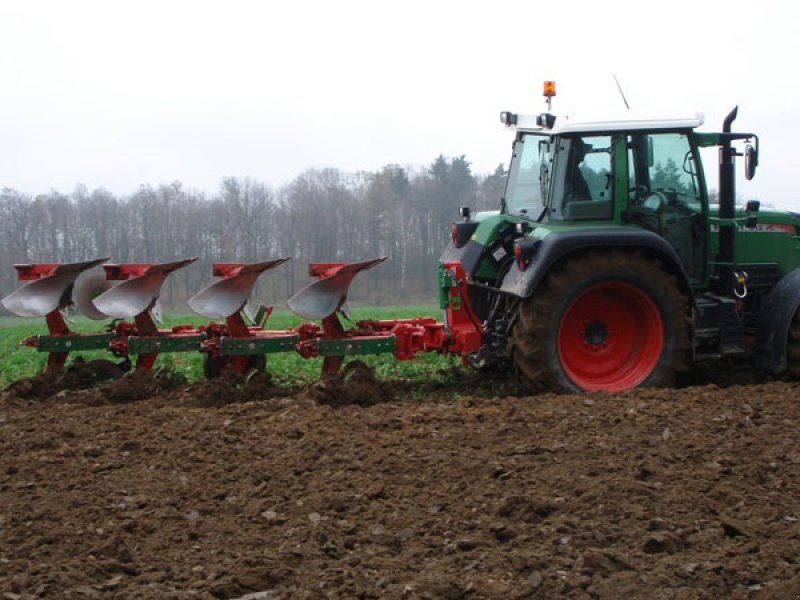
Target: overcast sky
<point>115,94</point>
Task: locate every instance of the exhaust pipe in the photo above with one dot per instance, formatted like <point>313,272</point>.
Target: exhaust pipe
<point>727,202</point>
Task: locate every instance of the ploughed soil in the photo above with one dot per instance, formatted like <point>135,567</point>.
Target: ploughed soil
<point>358,488</point>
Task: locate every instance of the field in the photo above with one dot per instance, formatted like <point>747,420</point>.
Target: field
<point>427,482</point>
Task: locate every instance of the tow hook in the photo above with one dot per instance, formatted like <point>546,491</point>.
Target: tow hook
<point>740,284</point>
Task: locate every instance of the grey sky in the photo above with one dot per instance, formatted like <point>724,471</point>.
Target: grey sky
<point>117,94</point>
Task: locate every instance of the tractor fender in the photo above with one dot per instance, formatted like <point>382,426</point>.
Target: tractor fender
<point>775,320</point>
<point>451,253</point>
<point>557,245</point>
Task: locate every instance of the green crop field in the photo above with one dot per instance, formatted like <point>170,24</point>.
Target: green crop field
<point>286,368</point>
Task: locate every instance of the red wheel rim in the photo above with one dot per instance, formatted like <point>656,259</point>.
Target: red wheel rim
<point>610,337</point>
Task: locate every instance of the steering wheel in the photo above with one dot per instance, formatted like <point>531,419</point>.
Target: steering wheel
<point>654,201</point>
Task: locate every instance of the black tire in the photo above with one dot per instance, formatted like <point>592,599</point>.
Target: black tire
<point>648,309</point>
<point>214,365</point>
<point>793,347</point>
<point>105,370</point>
<point>257,362</point>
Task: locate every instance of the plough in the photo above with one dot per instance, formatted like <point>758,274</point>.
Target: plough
<point>236,338</point>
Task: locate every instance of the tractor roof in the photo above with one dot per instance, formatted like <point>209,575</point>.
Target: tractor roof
<point>626,122</point>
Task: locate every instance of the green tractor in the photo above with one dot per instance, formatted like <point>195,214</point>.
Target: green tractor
<point>607,267</point>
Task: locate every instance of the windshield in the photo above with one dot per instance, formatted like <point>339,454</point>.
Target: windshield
<point>529,177</point>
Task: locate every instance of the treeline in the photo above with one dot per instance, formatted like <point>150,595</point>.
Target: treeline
<point>322,215</point>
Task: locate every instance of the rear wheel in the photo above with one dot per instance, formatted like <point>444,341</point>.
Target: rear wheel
<point>611,321</point>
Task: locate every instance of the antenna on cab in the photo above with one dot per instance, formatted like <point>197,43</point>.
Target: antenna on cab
<point>621,93</point>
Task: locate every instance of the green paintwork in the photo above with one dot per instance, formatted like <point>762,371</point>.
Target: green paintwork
<point>489,227</point>
<point>350,347</point>
<point>761,245</point>
<point>486,271</point>
<point>487,231</point>
<point>269,345</point>
<point>445,283</point>
<point>752,246</point>
<point>71,343</point>
<point>620,199</point>
<point>706,140</point>
<point>165,343</point>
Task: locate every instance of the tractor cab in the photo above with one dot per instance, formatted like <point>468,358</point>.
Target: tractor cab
<point>636,171</point>
<point>606,265</point>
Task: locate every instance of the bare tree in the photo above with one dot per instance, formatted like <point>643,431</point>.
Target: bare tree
<point>323,215</point>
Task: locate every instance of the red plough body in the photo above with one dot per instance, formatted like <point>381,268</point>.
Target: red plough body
<point>229,342</point>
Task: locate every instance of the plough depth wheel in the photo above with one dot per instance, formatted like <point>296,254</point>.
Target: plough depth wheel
<point>213,366</point>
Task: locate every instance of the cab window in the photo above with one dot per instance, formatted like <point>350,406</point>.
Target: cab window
<point>529,178</point>
<point>587,189</point>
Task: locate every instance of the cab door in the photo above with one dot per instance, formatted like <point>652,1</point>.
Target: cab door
<point>666,194</point>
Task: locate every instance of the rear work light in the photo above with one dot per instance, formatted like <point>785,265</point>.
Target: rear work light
<point>525,251</point>
<point>508,118</point>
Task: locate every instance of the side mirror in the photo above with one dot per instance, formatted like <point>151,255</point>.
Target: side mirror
<point>750,162</point>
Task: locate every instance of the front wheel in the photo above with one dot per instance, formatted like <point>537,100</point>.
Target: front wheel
<point>609,322</point>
